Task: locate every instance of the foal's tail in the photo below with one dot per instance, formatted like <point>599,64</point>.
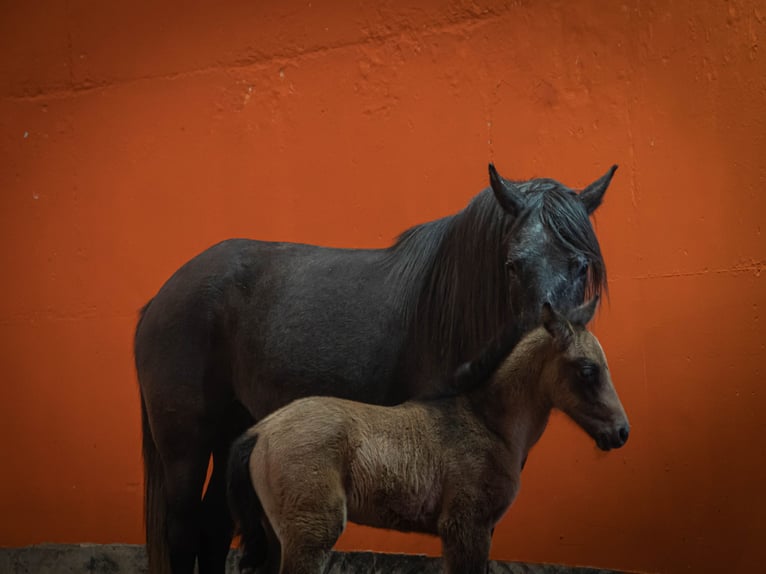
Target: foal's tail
<point>245,506</point>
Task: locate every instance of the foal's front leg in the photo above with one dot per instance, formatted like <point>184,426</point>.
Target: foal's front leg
<point>465,545</point>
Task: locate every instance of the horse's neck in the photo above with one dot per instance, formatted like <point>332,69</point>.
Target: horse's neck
<point>455,311</point>
<point>514,403</point>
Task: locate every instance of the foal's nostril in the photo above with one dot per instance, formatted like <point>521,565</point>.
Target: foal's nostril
<point>624,432</point>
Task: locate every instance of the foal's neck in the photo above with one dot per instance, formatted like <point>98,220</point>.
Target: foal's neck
<point>514,404</point>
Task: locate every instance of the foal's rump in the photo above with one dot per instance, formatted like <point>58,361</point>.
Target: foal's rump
<point>295,471</point>
<point>378,464</point>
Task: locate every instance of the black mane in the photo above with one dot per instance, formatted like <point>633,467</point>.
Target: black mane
<point>465,291</point>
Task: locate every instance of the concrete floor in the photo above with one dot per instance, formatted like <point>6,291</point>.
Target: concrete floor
<point>131,559</point>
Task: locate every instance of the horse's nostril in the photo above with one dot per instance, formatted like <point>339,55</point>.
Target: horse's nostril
<point>624,432</point>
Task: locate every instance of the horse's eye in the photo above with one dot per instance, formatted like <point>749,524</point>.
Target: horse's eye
<point>510,266</point>
<point>582,268</point>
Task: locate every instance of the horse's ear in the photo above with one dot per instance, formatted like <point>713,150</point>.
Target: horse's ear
<point>593,195</point>
<point>507,194</point>
<point>557,326</point>
<point>583,314</point>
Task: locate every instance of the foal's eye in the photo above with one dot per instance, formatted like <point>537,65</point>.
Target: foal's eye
<point>510,266</point>
<point>589,373</point>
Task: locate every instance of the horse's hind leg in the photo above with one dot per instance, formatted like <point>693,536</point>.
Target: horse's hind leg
<point>217,524</point>
<point>273,549</point>
<point>184,440</point>
<point>217,528</point>
<point>185,477</point>
<point>186,392</point>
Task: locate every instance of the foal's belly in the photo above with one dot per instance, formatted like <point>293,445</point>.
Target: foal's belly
<point>389,489</point>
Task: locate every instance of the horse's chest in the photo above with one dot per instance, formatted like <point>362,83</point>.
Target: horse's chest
<point>390,488</point>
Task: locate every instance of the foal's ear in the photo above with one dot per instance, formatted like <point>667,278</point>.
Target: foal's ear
<point>583,314</point>
<point>593,195</point>
<point>557,326</point>
<point>507,194</point>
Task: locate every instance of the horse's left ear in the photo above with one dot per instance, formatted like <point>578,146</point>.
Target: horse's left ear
<point>507,194</point>
<point>583,314</point>
<point>593,195</point>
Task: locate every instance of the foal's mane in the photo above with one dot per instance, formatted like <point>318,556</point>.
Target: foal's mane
<point>456,296</point>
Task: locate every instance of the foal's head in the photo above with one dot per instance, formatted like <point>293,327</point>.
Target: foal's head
<point>577,378</point>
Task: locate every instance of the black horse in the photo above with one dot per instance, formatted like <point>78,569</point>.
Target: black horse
<point>247,326</point>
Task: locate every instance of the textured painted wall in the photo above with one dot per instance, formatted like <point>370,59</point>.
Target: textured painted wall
<point>133,135</point>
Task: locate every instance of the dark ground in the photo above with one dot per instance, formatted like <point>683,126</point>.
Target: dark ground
<point>131,559</point>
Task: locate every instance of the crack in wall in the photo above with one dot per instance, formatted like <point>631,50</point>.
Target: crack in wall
<point>756,268</point>
<point>260,61</point>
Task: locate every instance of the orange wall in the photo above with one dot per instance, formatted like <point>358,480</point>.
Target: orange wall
<point>133,135</point>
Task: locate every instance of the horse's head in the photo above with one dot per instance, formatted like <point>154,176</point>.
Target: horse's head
<point>578,380</point>
<point>552,253</point>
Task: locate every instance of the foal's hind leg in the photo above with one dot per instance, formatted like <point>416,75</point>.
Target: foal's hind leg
<point>308,552</point>
<point>308,535</point>
<point>304,560</point>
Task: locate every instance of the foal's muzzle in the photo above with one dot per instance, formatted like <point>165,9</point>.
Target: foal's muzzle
<point>614,439</point>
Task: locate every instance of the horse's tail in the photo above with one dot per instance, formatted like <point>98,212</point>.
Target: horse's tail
<point>141,314</point>
<point>244,504</point>
<point>155,500</point>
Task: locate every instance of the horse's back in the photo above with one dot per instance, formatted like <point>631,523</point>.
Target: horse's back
<point>207,291</point>
<point>296,319</point>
